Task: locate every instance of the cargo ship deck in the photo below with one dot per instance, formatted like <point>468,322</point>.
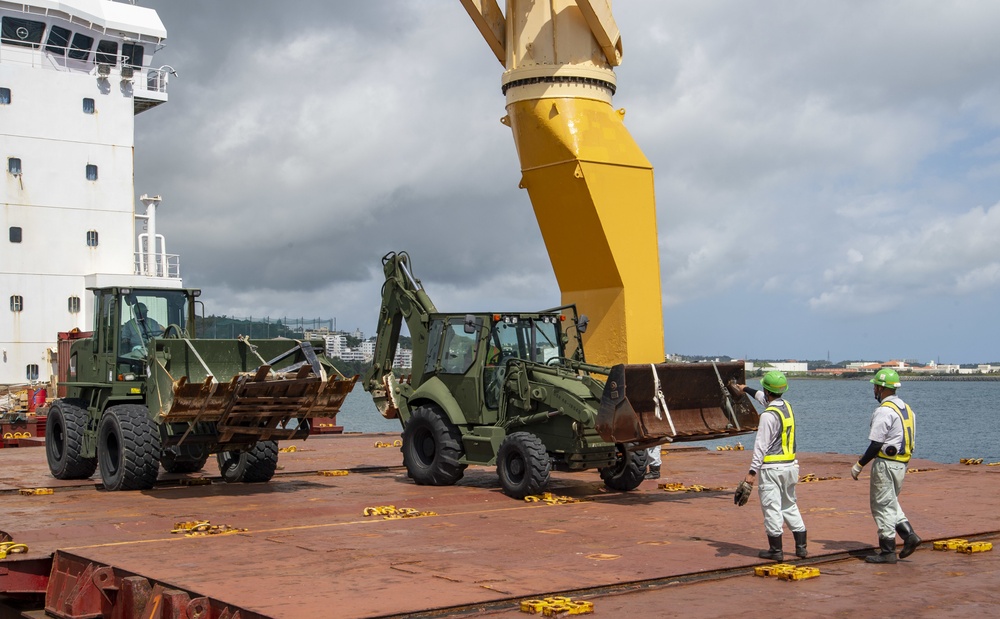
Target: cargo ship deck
<point>309,551</point>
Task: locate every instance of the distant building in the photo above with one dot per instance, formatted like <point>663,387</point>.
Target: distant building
<point>403,359</point>
<point>785,366</point>
<point>336,346</point>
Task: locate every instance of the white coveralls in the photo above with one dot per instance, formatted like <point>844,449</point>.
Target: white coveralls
<point>653,456</point>
<point>887,475</point>
<point>775,480</point>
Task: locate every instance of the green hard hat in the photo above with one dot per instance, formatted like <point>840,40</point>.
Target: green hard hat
<point>886,377</point>
<point>775,382</point>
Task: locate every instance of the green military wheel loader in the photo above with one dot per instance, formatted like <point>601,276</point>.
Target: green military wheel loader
<point>142,391</point>
<point>514,390</point>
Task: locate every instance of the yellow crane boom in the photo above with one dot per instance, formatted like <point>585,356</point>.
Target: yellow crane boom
<point>590,185</point>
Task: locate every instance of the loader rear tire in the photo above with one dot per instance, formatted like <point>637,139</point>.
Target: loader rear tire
<point>128,448</point>
<point>254,466</point>
<point>64,430</point>
<point>523,465</point>
<point>191,459</point>
<point>432,448</point>
<point>627,473</point>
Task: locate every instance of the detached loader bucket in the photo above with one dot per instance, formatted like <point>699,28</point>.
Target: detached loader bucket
<point>675,402</point>
<point>247,391</point>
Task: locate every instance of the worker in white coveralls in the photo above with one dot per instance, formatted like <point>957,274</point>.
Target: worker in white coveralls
<point>653,457</point>
<point>774,467</point>
<point>892,431</point>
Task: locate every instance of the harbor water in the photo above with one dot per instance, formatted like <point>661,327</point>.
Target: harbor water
<point>955,419</point>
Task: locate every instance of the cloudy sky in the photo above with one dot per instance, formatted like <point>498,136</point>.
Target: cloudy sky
<point>827,173</point>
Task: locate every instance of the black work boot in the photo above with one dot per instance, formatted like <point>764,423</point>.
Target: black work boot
<point>653,472</point>
<point>800,544</point>
<point>887,552</point>
<point>910,539</point>
<point>774,552</point>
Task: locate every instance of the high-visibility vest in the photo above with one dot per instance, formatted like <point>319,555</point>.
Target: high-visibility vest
<point>787,453</point>
<point>905,450</point>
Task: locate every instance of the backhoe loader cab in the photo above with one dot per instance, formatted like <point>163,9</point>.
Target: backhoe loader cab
<point>142,391</point>
<point>514,390</point>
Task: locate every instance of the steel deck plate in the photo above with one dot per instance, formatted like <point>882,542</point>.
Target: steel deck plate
<point>308,545</point>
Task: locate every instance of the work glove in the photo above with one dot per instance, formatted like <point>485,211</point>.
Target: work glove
<point>734,388</point>
<point>856,470</point>
<point>743,493</point>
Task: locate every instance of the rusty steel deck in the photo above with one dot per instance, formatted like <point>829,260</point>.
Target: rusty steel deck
<point>309,551</point>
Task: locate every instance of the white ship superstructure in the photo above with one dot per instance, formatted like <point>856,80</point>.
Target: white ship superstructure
<point>73,75</point>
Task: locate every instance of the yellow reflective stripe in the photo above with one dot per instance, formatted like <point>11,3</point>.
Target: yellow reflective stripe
<point>787,434</point>
<point>909,428</point>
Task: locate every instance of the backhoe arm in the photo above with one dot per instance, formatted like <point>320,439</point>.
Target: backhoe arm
<point>403,298</point>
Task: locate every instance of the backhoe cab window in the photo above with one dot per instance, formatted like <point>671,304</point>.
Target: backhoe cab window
<point>146,314</point>
<point>525,338</point>
<point>459,348</point>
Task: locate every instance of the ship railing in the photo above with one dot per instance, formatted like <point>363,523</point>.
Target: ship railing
<point>56,57</point>
<point>167,266</point>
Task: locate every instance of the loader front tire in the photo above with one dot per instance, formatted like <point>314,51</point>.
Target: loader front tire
<point>523,465</point>
<point>252,466</point>
<point>627,472</point>
<point>128,448</point>
<point>64,430</point>
<point>432,448</point>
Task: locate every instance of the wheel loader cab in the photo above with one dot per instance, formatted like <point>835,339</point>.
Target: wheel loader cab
<point>147,314</point>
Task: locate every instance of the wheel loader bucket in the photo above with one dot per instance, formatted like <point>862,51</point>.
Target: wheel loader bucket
<point>657,403</point>
<point>250,391</point>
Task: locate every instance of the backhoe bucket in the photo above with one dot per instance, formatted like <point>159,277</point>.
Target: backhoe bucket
<point>657,403</point>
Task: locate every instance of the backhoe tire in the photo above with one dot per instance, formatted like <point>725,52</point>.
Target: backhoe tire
<point>432,448</point>
<point>128,448</point>
<point>523,465</point>
<point>627,473</point>
<point>255,465</point>
<point>192,459</point>
<point>64,429</point>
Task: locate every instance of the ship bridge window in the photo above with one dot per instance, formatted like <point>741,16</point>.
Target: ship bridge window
<point>31,371</point>
<point>4,96</point>
<point>80,49</point>
<point>91,172</point>
<point>15,234</point>
<point>107,52</point>
<point>88,106</point>
<point>132,55</point>
<point>24,32</point>
<point>74,305</point>
<point>16,303</point>
<point>91,238</point>
<point>58,40</point>
<point>14,165</point>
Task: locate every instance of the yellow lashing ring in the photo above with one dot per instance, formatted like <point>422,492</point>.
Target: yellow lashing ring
<point>196,528</point>
<point>10,548</point>
<point>949,544</point>
<point>391,512</point>
<point>556,605</point>
<point>550,499</point>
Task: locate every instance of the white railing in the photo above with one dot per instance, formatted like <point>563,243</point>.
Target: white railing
<point>144,78</point>
<point>166,265</point>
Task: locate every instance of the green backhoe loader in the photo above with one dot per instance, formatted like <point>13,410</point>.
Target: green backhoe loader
<point>514,390</point>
